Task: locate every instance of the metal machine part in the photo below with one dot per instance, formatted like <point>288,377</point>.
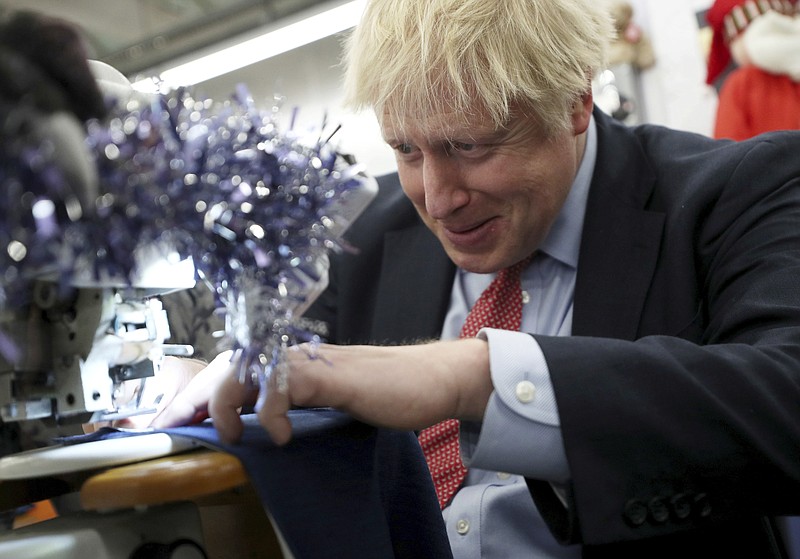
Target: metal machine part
<point>72,352</point>
<point>75,351</point>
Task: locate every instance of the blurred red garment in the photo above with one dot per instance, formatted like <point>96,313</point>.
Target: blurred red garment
<point>753,101</point>
<point>763,93</point>
<point>730,18</point>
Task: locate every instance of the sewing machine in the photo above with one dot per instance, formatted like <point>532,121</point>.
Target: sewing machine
<point>76,347</point>
<point>80,347</point>
<point>83,355</point>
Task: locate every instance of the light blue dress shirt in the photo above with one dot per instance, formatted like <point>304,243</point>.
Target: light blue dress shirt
<point>493,516</point>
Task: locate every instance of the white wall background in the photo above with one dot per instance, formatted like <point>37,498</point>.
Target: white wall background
<point>309,80</point>
<point>675,93</point>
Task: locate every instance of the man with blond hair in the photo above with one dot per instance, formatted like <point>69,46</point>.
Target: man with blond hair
<point>648,404</point>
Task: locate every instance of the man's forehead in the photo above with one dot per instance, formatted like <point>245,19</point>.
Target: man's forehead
<point>440,126</point>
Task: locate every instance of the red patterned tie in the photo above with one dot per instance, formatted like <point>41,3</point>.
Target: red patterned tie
<point>499,306</point>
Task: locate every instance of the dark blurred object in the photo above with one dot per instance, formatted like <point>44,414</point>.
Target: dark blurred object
<point>46,91</point>
<point>43,64</point>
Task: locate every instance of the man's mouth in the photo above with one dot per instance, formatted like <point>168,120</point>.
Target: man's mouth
<point>469,233</point>
<point>459,229</point>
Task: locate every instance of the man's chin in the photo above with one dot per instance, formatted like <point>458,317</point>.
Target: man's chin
<point>478,263</point>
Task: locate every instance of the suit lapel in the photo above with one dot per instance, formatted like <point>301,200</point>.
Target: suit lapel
<point>415,284</point>
<point>620,243</point>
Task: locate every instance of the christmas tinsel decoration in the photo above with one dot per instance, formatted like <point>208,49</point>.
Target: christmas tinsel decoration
<point>257,209</point>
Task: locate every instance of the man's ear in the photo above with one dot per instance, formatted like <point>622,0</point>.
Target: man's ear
<point>582,112</point>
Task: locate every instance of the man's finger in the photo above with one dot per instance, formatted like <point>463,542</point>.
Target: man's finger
<point>225,404</point>
<point>273,413</point>
<point>191,403</point>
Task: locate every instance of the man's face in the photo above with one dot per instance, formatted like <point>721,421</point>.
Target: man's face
<point>489,195</point>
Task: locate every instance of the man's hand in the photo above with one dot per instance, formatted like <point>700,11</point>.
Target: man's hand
<point>157,392</point>
<point>190,401</point>
<point>400,387</point>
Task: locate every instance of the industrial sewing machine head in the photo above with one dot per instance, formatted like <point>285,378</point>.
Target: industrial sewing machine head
<point>72,352</point>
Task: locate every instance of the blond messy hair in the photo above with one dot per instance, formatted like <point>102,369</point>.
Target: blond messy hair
<point>425,57</point>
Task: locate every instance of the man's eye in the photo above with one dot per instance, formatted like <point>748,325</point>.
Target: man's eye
<point>462,146</point>
<point>468,150</point>
<point>405,149</point>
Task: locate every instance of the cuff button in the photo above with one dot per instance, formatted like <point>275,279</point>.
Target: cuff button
<point>526,391</point>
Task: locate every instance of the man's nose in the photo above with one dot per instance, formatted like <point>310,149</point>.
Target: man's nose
<point>445,191</point>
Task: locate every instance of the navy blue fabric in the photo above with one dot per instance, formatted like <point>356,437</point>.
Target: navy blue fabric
<point>339,489</point>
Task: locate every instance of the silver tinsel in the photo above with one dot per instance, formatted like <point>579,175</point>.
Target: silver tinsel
<point>254,207</point>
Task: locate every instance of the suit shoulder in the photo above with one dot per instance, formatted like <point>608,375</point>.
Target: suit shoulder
<point>389,210</point>
<point>678,153</point>
<point>657,167</point>
<point>675,144</point>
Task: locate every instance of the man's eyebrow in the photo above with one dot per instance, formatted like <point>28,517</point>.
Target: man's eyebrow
<point>487,135</point>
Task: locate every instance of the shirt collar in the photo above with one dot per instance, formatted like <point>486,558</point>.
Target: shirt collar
<point>564,239</point>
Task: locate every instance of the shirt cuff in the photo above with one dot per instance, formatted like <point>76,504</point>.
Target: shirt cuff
<point>520,432</point>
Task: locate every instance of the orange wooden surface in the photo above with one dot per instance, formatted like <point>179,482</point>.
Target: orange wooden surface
<point>172,478</point>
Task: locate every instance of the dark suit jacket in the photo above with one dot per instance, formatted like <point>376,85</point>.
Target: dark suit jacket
<point>679,391</point>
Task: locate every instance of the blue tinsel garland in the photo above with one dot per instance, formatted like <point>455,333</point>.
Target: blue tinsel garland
<point>217,182</point>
